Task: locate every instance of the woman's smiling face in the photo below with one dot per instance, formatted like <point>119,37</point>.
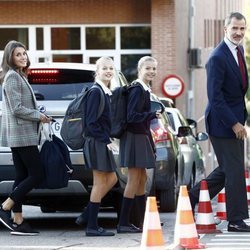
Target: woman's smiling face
<point>20,57</point>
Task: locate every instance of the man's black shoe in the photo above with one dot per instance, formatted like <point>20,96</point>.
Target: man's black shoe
<point>5,218</point>
<point>98,232</point>
<point>82,219</point>
<point>241,227</point>
<point>128,229</point>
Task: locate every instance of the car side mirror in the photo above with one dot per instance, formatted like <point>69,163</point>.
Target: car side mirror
<point>155,106</point>
<point>192,123</point>
<point>39,96</point>
<point>201,136</point>
<point>184,131</point>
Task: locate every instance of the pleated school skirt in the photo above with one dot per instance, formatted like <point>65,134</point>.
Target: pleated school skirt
<point>97,156</point>
<point>136,151</point>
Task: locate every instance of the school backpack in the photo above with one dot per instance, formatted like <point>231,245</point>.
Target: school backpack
<point>56,162</point>
<point>119,109</point>
<point>73,125</point>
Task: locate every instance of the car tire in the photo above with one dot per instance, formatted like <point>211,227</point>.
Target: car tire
<point>192,181</point>
<point>168,198</point>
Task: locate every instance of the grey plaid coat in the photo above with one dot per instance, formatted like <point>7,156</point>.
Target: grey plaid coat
<point>20,116</point>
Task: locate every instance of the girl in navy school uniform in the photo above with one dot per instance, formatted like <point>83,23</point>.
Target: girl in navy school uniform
<point>137,150</point>
<point>97,148</point>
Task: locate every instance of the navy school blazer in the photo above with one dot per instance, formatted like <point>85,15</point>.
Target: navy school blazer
<point>99,128</point>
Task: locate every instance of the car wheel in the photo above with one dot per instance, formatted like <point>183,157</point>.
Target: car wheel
<point>192,180</point>
<point>168,198</point>
<point>150,184</point>
<point>46,209</point>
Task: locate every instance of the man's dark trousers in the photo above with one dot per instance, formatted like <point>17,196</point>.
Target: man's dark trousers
<point>231,174</point>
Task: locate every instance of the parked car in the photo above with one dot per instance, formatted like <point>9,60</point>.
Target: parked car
<point>167,102</point>
<point>170,162</point>
<point>177,169</point>
<point>194,169</point>
<point>55,85</point>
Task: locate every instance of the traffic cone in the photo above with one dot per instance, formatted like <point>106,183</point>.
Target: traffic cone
<point>205,223</point>
<point>185,231</point>
<point>221,205</point>
<point>152,236</point>
<point>247,185</point>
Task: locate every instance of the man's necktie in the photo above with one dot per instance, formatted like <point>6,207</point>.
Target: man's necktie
<point>242,68</point>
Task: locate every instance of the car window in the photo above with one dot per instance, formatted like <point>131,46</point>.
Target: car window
<point>182,120</point>
<point>59,84</point>
<point>171,119</point>
<point>64,84</point>
<point>67,91</point>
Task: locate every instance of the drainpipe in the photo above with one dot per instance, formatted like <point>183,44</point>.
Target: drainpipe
<point>190,92</point>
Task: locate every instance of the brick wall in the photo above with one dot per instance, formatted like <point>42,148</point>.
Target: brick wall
<point>75,11</point>
<point>163,39</point>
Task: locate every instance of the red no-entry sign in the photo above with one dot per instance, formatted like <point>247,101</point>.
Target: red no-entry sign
<point>172,86</point>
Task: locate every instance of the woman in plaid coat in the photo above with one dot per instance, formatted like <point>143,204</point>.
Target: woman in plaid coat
<point>19,131</point>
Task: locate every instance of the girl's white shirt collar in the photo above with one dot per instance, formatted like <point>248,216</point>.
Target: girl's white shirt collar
<point>144,85</point>
<point>104,87</point>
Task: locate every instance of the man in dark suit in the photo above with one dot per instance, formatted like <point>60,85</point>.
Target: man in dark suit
<point>227,83</point>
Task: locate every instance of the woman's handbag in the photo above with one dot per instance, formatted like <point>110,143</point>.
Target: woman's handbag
<point>55,160</point>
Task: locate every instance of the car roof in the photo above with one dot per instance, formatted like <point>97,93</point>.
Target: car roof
<point>154,97</point>
<point>58,65</point>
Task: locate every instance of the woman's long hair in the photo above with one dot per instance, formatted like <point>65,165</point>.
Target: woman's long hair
<point>7,61</point>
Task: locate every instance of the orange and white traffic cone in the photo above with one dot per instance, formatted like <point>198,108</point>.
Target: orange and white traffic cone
<point>247,185</point>
<point>152,236</point>
<point>185,231</point>
<point>221,205</point>
<point>205,222</point>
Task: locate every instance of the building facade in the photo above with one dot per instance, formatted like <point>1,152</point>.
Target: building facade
<point>180,34</point>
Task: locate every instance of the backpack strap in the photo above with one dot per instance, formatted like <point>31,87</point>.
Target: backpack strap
<point>137,84</point>
<point>102,101</point>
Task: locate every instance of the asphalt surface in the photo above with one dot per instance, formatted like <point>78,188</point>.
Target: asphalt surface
<point>58,231</point>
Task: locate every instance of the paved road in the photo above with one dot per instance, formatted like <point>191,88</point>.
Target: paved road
<point>226,240</point>
<point>58,231</point>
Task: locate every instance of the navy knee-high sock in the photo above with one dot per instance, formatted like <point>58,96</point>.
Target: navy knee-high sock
<point>140,203</point>
<point>127,204</point>
<point>93,209</point>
